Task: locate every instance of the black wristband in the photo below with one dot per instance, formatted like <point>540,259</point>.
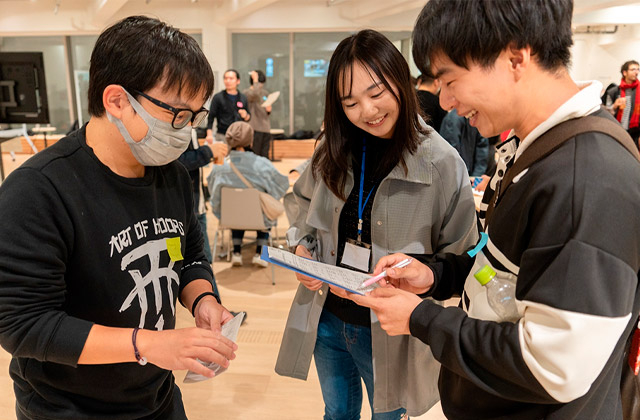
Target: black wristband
<point>141,359</point>
<point>197,300</point>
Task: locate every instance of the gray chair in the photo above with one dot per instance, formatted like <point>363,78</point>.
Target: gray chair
<point>240,210</point>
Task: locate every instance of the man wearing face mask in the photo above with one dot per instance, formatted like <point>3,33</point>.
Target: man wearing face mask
<point>99,241</point>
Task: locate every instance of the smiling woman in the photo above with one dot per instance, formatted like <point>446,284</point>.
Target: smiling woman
<point>374,147</point>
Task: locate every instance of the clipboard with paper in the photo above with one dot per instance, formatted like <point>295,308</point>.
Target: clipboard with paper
<point>337,276</point>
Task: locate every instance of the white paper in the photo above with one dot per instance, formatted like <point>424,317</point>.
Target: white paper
<point>341,277</point>
<point>271,98</point>
<point>229,330</point>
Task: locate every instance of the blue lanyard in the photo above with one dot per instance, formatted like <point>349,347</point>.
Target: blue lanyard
<point>361,206</point>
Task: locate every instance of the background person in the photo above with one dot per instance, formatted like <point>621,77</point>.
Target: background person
<point>624,102</point>
<point>227,106</point>
<point>378,164</point>
<point>256,95</point>
<point>100,239</point>
<point>427,92</point>
<point>258,170</point>
<point>565,233</point>
<point>194,159</point>
<point>473,148</point>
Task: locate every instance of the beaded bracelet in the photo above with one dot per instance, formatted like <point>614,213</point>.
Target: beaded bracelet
<point>141,359</point>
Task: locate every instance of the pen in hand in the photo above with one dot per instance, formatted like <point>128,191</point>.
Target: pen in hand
<point>374,279</point>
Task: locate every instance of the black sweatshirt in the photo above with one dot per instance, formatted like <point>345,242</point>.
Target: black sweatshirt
<point>226,109</point>
<point>81,245</point>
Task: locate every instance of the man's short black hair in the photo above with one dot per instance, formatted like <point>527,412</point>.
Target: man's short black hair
<point>625,66</point>
<point>139,52</point>
<point>479,30</point>
<point>233,71</point>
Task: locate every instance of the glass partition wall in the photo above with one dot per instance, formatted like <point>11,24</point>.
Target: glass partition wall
<point>295,64</point>
<point>305,55</point>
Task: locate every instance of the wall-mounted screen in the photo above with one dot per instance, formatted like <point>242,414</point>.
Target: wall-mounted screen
<point>23,91</point>
<point>316,68</point>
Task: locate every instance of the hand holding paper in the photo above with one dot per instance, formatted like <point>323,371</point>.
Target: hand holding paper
<point>230,331</point>
<point>273,96</point>
<point>341,277</point>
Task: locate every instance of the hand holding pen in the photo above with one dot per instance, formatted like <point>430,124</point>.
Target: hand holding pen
<point>405,262</point>
<point>414,277</point>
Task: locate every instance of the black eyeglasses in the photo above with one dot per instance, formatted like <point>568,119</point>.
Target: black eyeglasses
<point>181,116</point>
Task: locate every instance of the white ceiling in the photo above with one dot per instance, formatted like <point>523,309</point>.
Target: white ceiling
<point>360,12</point>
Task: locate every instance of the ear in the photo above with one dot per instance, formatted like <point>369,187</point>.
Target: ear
<point>115,101</point>
<point>519,59</point>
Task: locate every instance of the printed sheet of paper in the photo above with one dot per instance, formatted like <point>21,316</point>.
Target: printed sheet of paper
<point>229,330</point>
<point>271,98</point>
<point>338,276</point>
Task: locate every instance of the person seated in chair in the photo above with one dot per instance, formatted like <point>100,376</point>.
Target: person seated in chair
<point>258,170</point>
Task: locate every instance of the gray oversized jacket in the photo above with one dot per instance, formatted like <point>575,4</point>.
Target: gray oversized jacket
<point>428,210</point>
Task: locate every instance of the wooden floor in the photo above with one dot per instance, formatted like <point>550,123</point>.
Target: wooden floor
<point>250,389</point>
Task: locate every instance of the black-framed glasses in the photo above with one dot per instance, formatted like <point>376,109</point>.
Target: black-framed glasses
<point>181,116</point>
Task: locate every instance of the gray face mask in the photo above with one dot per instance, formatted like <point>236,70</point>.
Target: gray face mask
<point>162,143</point>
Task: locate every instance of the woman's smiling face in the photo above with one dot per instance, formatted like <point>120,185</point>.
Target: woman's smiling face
<point>367,103</point>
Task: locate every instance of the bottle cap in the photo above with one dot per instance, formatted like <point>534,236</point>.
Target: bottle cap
<point>484,275</point>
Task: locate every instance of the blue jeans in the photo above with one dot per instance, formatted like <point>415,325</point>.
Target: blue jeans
<point>343,356</point>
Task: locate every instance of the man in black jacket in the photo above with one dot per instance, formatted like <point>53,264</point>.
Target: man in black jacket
<point>100,240</point>
<point>563,235</point>
<point>228,106</point>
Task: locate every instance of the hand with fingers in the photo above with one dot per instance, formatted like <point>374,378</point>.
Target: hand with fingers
<point>309,282</point>
<point>219,150</point>
<point>210,315</point>
<point>179,349</point>
<point>416,277</point>
<point>392,306</point>
<point>338,291</point>
<point>243,114</point>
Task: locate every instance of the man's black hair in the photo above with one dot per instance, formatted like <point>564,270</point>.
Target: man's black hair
<point>234,71</point>
<point>261,77</point>
<point>625,66</point>
<point>139,52</point>
<point>479,30</point>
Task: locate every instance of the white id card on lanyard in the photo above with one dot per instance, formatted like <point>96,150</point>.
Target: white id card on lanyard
<point>356,256</point>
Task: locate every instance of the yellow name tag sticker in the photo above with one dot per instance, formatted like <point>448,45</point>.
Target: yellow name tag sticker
<point>173,247</point>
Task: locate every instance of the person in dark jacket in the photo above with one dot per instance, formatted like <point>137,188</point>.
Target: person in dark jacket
<point>472,147</point>
<point>227,106</point>
<point>194,159</point>
<point>564,234</point>
<point>427,91</point>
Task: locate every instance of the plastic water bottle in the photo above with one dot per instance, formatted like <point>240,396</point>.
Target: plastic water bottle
<point>500,294</point>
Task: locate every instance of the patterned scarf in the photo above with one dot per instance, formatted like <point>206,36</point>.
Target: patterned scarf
<point>635,115</point>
